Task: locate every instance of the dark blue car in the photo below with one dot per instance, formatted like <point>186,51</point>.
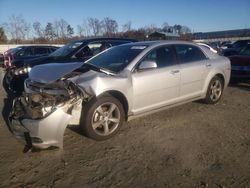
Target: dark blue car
<point>75,51</point>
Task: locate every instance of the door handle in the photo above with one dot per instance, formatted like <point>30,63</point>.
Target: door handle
<point>174,71</point>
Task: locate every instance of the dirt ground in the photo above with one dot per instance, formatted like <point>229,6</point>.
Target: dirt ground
<point>194,145</point>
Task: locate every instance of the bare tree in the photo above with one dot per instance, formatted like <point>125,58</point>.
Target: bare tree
<point>95,25</point>
<point>150,29</point>
<point>83,29</point>
<point>60,28</point>
<point>165,27</point>
<point>49,31</point>
<point>127,26</point>
<point>70,31</point>
<point>18,28</point>
<point>80,30</point>
<point>3,37</point>
<point>185,30</point>
<point>39,30</point>
<point>177,28</point>
<point>110,26</point>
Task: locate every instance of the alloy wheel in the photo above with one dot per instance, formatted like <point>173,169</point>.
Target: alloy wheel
<point>215,90</point>
<point>106,119</point>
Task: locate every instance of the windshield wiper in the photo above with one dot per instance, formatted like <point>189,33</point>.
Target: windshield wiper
<point>99,69</point>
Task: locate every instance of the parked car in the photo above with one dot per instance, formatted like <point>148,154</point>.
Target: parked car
<point>8,56</point>
<point>235,48</point>
<point>226,44</point>
<point>23,53</point>
<point>207,46</point>
<point>79,50</point>
<point>240,65</point>
<point>119,84</point>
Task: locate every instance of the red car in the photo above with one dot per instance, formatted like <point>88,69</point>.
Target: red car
<point>240,65</point>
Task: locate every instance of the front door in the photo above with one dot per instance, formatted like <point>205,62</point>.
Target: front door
<point>157,87</point>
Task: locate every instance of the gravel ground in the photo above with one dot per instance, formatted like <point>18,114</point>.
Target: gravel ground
<point>194,145</point>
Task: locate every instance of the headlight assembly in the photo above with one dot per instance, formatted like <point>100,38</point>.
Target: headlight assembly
<point>23,70</point>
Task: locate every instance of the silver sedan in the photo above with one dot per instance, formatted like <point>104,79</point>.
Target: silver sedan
<point>119,84</point>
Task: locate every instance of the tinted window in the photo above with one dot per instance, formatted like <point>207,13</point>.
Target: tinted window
<point>117,58</point>
<point>24,52</point>
<point>67,49</point>
<point>52,49</point>
<point>163,56</point>
<point>41,50</point>
<point>92,49</point>
<point>240,43</point>
<point>189,53</point>
<point>245,51</point>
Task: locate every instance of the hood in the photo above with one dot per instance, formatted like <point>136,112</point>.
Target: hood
<point>20,62</point>
<point>49,73</point>
<point>240,60</point>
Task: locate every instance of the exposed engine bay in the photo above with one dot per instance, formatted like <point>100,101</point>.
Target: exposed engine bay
<point>40,100</point>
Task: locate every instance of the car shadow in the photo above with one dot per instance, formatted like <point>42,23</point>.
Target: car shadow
<point>241,85</point>
<point>76,129</point>
<point>7,106</point>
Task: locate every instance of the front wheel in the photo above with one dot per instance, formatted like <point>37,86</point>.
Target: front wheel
<point>214,91</point>
<point>102,117</point>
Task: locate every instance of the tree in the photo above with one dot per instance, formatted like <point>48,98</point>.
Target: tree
<point>177,28</point>
<point>49,31</point>
<point>166,28</point>
<point>150,29</point>
<point>38,29</point>
<point>95,25</point>
<point>110,26</point>
<point>127,26</point>
<point>18,28</point>
<point>60,28</point>
<point>83,29</point>
<point>185,29</point>
<point>70,31</point>
<point>3,37</point>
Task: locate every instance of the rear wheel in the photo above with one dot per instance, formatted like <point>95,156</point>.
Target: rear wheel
<point>102,117</point>
<point>214,90</point>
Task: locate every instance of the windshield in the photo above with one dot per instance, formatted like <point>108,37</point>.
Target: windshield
<point>117,58</point>
<point>67,49</point>
<point>240,44</point>
<point>245,51</point>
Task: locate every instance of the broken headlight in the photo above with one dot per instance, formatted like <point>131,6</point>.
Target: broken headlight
<point>23,70</point>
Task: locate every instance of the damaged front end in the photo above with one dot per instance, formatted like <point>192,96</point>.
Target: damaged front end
<point>43,112</point>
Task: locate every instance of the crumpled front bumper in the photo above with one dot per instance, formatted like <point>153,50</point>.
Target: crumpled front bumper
<point>45,132</point>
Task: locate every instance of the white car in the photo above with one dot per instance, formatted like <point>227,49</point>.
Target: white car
<point>120,84</point>
<point>207,46</point>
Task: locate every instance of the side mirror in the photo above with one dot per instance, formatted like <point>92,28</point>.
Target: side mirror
<point>149,64</point>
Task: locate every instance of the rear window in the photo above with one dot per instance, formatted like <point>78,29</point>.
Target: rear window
<point>41,50</point>
<point>189,53</point>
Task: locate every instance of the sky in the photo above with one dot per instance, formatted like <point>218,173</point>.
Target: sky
<point>198,15</point>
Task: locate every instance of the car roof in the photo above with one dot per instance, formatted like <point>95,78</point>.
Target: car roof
<point>158,42</point>
<point>104,39</point>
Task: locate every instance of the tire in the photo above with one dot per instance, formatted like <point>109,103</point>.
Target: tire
<point>214,90</point>
<point>6,82</point>
<point>97,122</point>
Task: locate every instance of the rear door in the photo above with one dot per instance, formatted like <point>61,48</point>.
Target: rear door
<point>194,67</point>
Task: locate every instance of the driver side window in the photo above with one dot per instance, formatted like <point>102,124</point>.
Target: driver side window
<point>92,49</point>
<point>163,56</point>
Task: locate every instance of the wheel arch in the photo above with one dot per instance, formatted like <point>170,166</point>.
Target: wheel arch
<point>210,77</point>
<point>121,97</point>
